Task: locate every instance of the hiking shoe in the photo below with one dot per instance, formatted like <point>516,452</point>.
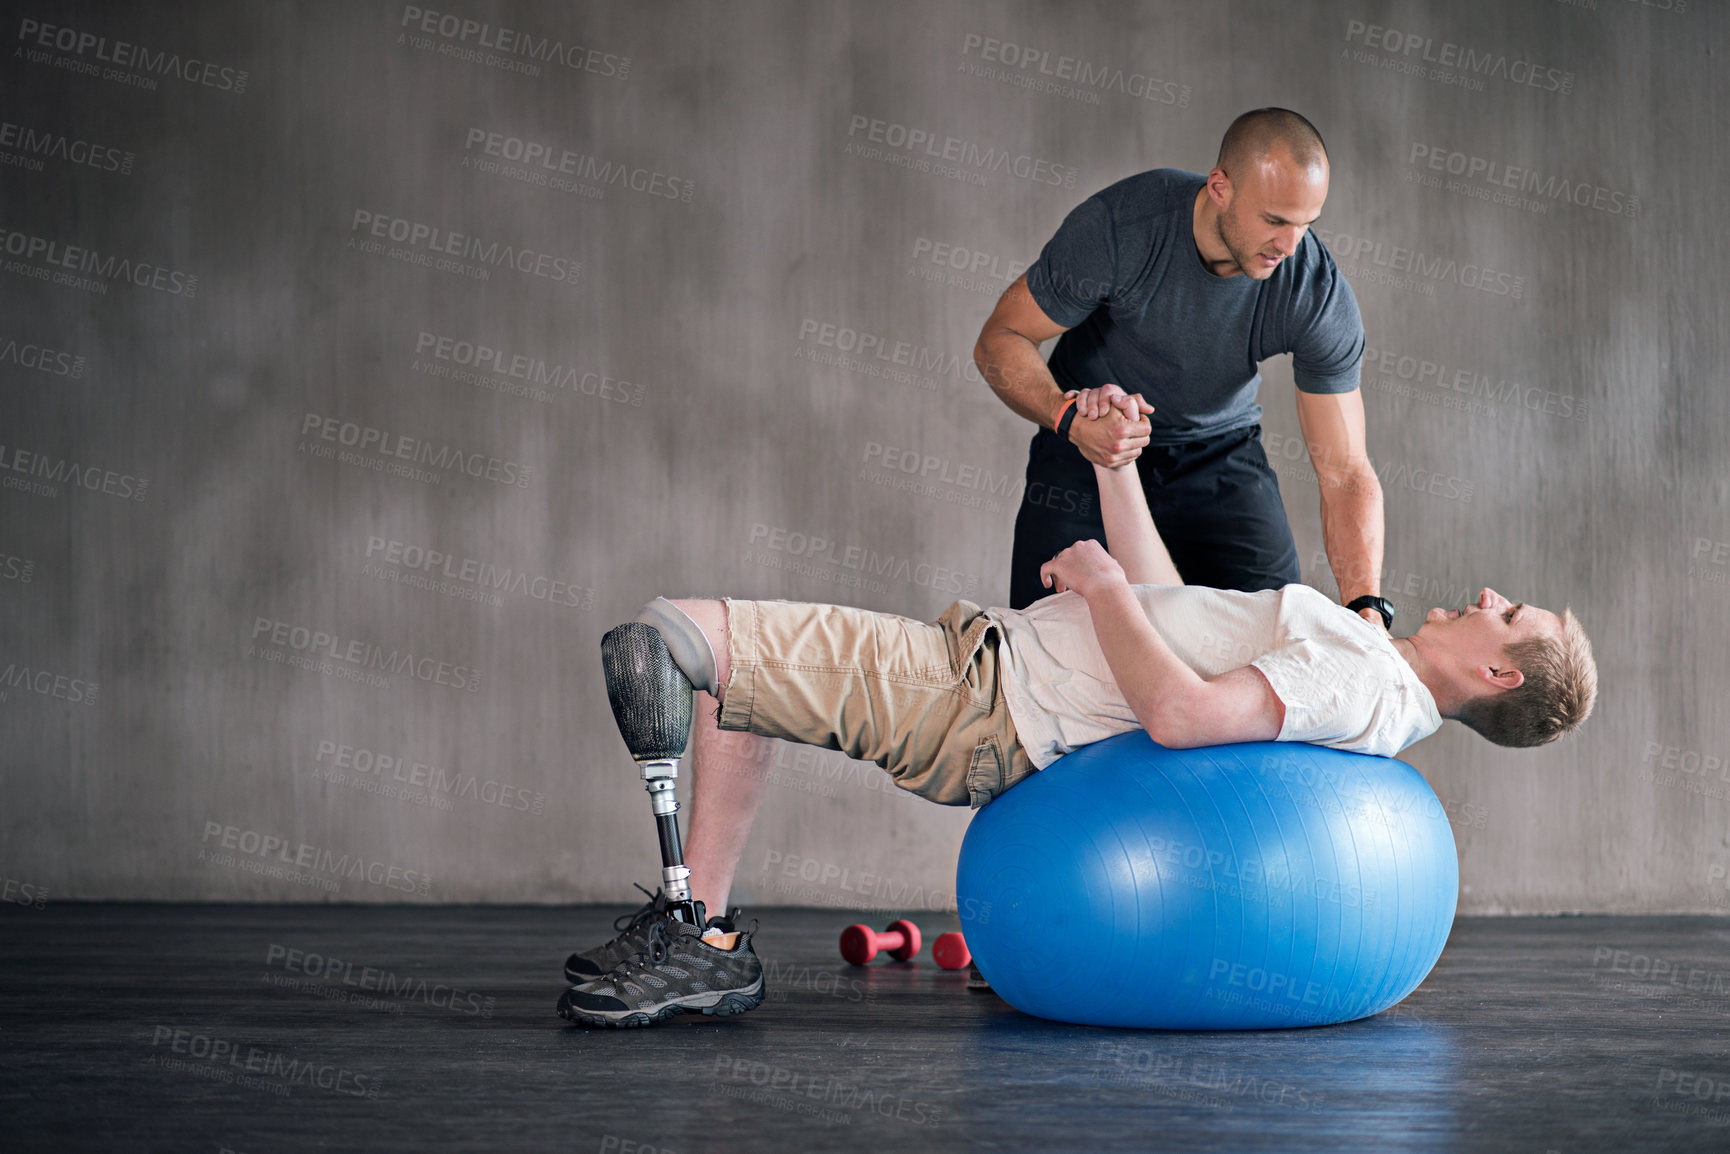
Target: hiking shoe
<point>633,936</point>
<point>677,973</point>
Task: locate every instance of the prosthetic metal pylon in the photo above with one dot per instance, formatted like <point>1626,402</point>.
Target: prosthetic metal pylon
<point>651,700</point>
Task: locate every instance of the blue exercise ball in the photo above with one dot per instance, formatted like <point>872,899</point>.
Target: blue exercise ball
<point>1233,887</point>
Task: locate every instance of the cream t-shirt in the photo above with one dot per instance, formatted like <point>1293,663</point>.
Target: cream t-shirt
<point>1342,681</point>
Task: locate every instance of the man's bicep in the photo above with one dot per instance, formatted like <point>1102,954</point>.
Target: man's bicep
<point>1333,429</point>
<point>1328,351</point>
<point>1239,705</point>
<point>1018,312</point>
<point>1076,271</point>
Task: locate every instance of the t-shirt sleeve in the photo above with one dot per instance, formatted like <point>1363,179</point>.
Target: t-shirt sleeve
<point>1329,350</point>
<point>1077,269</point>
<point>1330,699</point>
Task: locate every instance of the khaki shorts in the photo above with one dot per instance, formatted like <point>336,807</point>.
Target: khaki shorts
<point>921,700</point>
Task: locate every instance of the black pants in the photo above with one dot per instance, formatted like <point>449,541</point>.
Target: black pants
<point>1215,502</point>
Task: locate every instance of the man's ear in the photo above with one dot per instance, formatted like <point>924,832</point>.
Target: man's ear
<point>1503,677</point>
<point>1219,187</point>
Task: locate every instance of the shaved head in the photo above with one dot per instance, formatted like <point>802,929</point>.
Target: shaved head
<point>1261,131</point>
<point>1264,194</point>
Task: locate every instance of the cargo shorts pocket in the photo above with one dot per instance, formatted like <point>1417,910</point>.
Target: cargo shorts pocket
<point>986,773</point>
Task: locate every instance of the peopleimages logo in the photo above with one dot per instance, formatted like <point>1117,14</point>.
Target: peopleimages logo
<point>546,161</point>
<point>1472,382</point>
<point>320,645</point>
<point>345,978</point>
<point>42,254</point>
<point>916,358</point>
<point>535,372</point>
<point>940,478</point>
<point>1498,175</point>
<point>440,242</point>
<point>222,1060</point>
<point>263,847</point>
<point>1411,52</point>
<point>33,143</point>
<point>364,439</point>
<point>1084,73</point>
<point>808,549</point>
<point>1374,259</point>
<point>46,683</point>
<point>55,471</point>
<point>30,355</point>
<point>466,38</point>
<point>475,572</point>
<point>928,146</point>
<point>375,771</point>
<point>37,36</point>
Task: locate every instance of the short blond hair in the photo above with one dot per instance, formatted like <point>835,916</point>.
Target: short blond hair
<point>1559,690</point>
<point>1261,130</point>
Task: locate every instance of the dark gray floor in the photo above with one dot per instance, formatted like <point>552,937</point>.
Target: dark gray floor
<point>204,1028</point>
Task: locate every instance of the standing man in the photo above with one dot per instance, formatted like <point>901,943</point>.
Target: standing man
<point>1174,286</point>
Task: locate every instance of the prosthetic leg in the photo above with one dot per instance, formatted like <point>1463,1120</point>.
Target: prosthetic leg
<point>673,962</point>
<point>651,699</point>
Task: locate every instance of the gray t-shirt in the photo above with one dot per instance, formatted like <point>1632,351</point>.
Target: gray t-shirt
<point>1124,277</point>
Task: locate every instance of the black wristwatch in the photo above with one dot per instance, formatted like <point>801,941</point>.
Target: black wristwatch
<point>1380,604</point>
<point>1067,419</point>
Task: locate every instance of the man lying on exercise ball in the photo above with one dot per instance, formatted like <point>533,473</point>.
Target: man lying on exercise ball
<point>963,708</point>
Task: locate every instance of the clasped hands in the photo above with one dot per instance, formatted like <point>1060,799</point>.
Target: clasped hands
<point>1111,426</point>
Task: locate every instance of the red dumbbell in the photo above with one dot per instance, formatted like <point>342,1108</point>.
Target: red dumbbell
<point>859,944</point>
<point>951,952</point>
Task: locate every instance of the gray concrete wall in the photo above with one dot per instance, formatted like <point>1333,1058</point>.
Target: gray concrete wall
<point>1545,399</point>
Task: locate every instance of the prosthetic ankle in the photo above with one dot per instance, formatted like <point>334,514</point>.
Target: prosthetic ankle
<point>650,693</point>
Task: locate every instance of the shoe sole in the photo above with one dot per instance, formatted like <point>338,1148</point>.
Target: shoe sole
<point>720,1005</point>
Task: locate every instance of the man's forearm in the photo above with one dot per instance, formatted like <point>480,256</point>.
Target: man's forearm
<point>1012,366</point>
<point>1130,534</point>
<point>1151,677</point>
<point>1352,531</point>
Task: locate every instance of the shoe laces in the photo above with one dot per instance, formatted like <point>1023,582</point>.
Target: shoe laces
<point>658,945</point>
<point>625,923</point>
<point>655,949</point>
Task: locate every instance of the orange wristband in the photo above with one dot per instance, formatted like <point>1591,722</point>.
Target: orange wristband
<point>1065,418</point>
